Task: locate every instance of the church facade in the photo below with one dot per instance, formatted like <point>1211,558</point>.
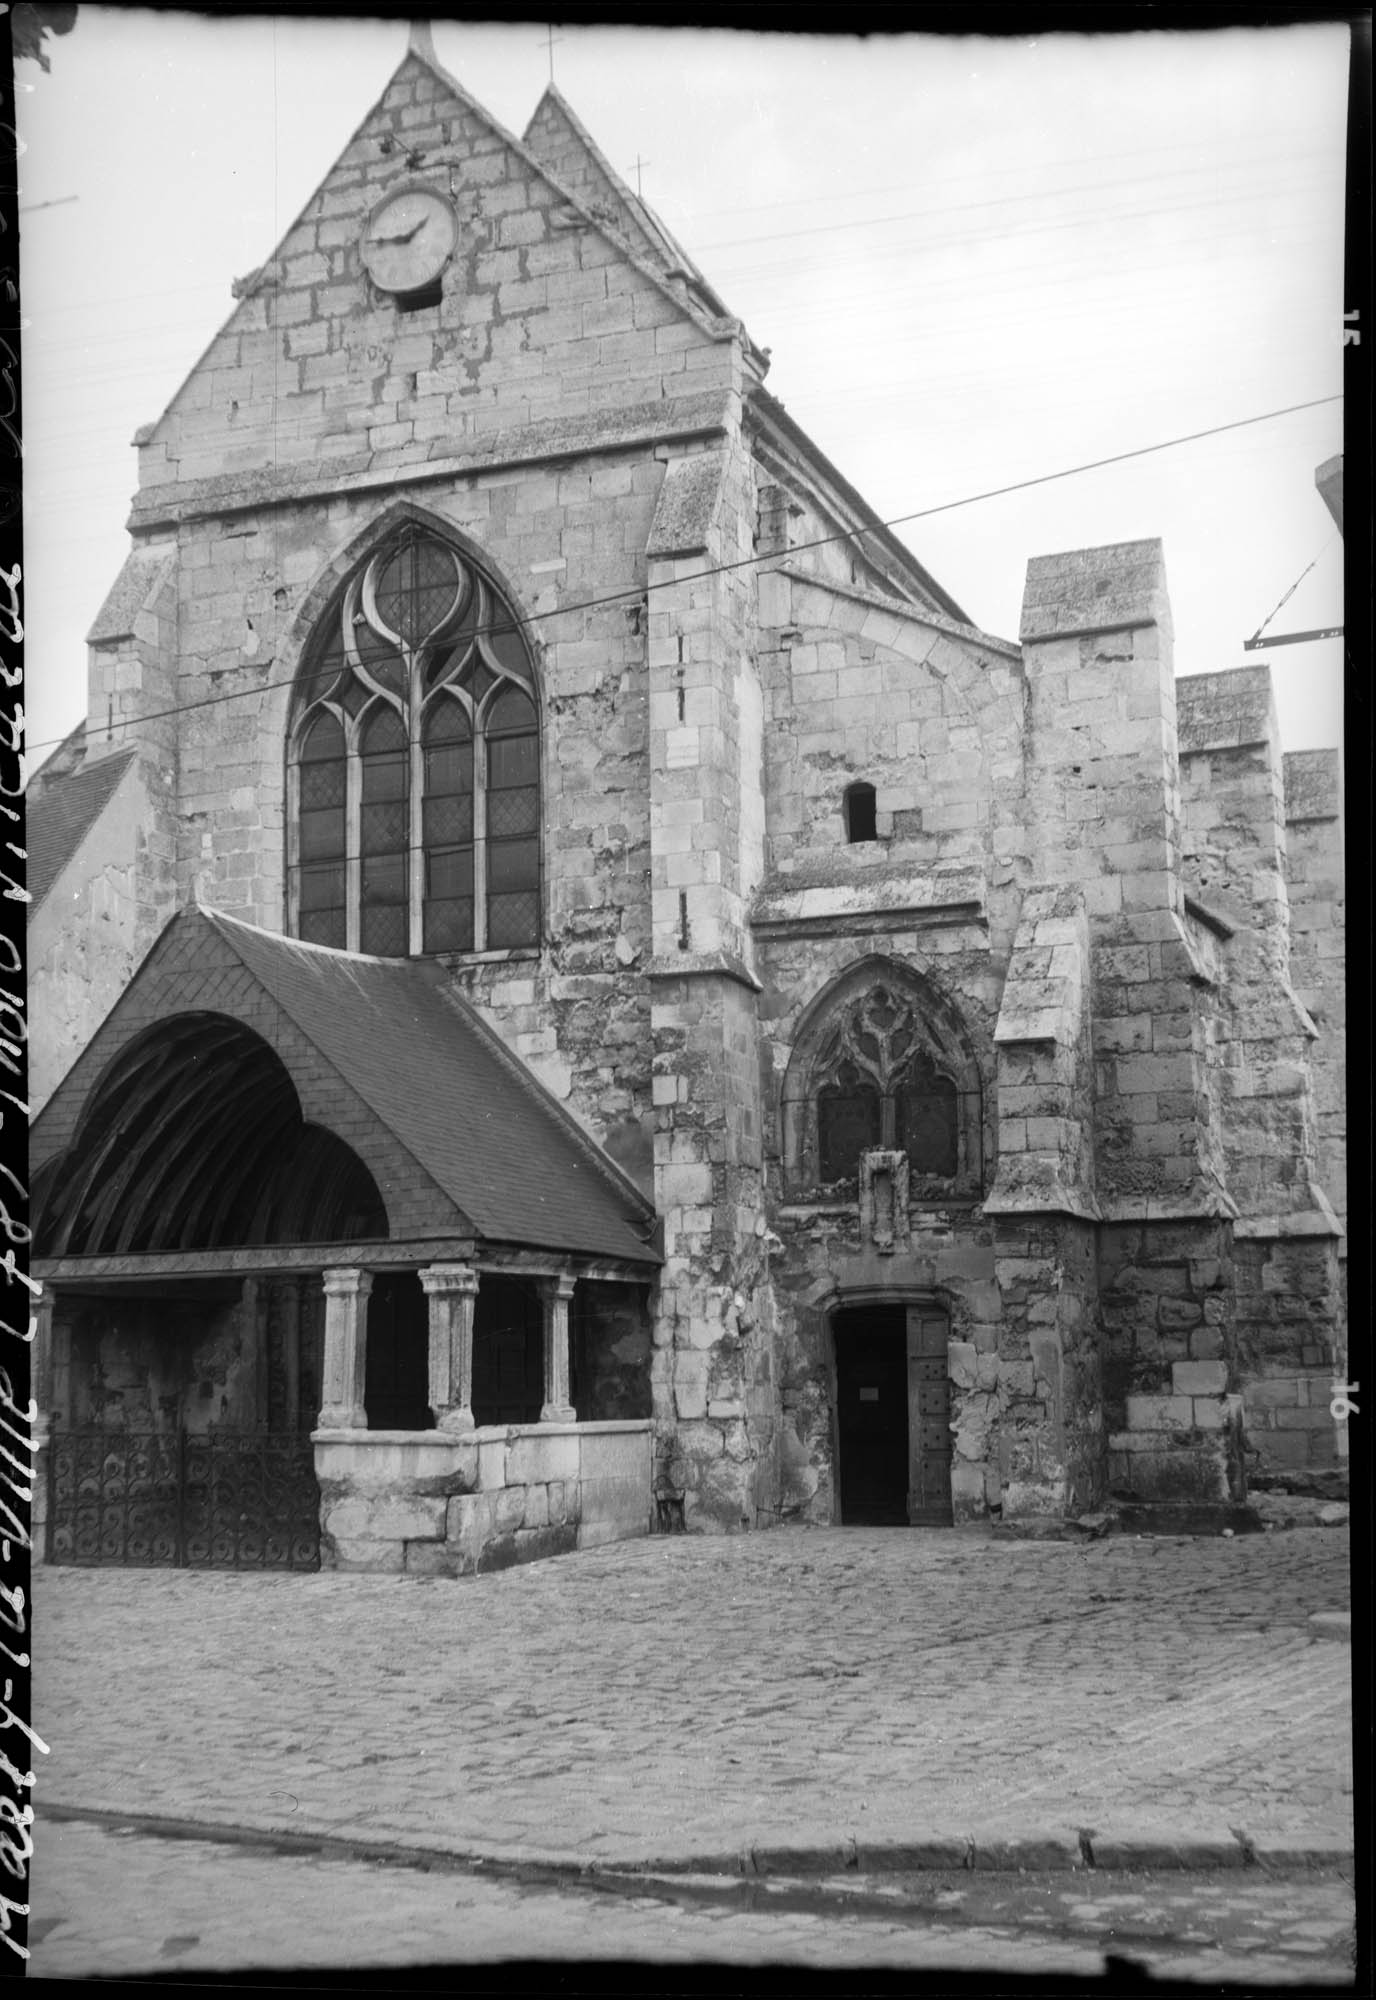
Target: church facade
<point>572,981</point>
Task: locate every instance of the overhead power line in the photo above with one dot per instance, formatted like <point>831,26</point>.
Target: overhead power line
<point>636,592</point>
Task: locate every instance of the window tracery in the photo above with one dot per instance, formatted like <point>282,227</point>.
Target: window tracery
<point>880,1078</point>
<point>414,764</point>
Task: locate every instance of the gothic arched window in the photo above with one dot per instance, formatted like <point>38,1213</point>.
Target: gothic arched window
<point>882,1077</point>
<point>414,763</point>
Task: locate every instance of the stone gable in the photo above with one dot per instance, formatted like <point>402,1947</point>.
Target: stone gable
<point>545,313</point>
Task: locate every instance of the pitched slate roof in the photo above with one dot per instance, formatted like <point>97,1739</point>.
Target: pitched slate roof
<point>468,1111</point>
<point>62,815</point>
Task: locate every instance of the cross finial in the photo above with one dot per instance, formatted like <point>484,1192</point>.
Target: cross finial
<point>550,39</point>
<point>420,42</point>
<point>639,163</point>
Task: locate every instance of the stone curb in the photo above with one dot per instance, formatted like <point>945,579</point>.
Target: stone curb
<point>1035,1851</point>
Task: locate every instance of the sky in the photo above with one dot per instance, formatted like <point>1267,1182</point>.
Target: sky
<point>975,261</point>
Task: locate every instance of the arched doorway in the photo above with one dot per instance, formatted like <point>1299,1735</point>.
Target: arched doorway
<point>185,1396</point>
<point>893,1413</point>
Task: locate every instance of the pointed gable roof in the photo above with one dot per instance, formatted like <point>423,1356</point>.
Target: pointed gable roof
<point>557,136</point>
<point>490,1140</point>
<point>420,57</point>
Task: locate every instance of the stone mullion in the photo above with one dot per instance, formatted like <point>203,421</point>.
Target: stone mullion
<point>353,841</point>
<point>479,835</point>
<point>293,844</point>
<point>415,859</point>
<point>346,1349</point>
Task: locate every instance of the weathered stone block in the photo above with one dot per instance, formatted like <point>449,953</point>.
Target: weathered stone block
<point>508,1509</point>
<point>363,1556</point>
<point>1178,1315</point>
<point>1159,1413</point>
<point>963,1363</point>
<point>623,1501</point>
<point>437,1559</point>
<point>384,1517</point>
<point>1199,1378</point>
<point>534,1459</point>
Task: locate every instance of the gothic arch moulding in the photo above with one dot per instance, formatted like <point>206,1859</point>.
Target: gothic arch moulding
<point>882,1058</point>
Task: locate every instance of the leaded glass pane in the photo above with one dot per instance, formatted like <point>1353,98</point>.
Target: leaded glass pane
<point>322,888</point>
<point>322,834</point>
<point>324,927</point>
<point>384,827</point>
<point>512,712</point>
<point>926,1126</point>
<point>448,820</point>
<point>384,879</point>
<point>449,926</point>
<point>417,588</point>
<point>512,761</point>
<point>384,733</point>
<point>446,722</point>
<point>477,679</point>
<point>322,785</point>
<point>506,643</point>
<point>848,1123</point>
<point>384,930</point>
<point>450,873</point>
<point>512,920</point>
<point>381,658</point>
<point>449,768</point>
<point>513,864</point>
<point>513,812</point>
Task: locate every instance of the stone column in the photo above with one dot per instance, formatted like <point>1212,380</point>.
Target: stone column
<point>452,1290</point>
<point>41,1396</point>
<point>346,1348</point>
<point>557,1408</point>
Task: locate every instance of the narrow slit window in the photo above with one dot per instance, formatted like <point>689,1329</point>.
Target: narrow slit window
<point>859,813</point>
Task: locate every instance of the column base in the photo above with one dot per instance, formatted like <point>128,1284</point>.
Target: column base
<point>342,1417</point>
<point>558,1413</point>
<point>455,1421</point>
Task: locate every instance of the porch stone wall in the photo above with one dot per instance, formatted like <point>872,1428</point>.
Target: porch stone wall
<point>430,1504</point>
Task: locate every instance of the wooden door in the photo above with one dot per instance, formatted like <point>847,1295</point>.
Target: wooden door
<point>929,1419</point>
<point>872,1416</point>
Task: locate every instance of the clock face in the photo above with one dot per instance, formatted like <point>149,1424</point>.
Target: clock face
<point>408,239</point>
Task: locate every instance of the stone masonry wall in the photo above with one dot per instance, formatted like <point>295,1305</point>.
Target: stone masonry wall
<point>1170,1362</point>
<point>1318,940</point>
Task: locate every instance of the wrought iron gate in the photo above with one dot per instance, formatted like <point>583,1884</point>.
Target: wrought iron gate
<point>211,1500</point>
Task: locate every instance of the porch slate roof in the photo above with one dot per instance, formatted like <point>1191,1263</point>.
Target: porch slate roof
<point>470,1114</point>
<point>61,816</point>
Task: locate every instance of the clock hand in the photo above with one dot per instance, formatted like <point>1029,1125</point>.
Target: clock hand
<point>400,235</point>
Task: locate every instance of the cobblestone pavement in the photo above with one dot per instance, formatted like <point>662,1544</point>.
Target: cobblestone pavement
<point>684,1697</point>
<point>119,1906</point>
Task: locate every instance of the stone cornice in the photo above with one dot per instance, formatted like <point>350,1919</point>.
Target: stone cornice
<point>553,439</point>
